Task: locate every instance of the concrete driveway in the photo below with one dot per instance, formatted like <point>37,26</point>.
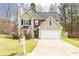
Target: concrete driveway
<point>54,47</point>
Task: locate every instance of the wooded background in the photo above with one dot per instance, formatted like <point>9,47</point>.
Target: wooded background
<point>68,12</point>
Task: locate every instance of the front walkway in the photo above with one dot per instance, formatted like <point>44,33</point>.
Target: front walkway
<point>54,47</point>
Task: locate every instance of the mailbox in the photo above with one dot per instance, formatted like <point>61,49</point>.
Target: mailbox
<point>22,41</point>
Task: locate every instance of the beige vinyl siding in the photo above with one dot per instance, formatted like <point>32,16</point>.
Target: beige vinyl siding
<point>41,21</point>
<point>26,16</point>
<point>46,25</point>
<point>30,14</point>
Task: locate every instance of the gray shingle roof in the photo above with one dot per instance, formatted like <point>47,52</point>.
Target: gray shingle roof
<point>45,15</point>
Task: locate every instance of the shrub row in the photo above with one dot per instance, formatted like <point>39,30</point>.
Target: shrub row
<point>27,36</point>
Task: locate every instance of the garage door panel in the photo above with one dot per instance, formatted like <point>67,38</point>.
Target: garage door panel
<point>49,34</point>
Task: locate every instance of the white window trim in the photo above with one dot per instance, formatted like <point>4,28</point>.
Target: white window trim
<point>24,23</point>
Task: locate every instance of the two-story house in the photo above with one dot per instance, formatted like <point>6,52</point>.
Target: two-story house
<point>41,25</point>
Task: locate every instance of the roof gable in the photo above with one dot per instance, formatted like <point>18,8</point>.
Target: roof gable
<point>26,15</point>
<point>52,20</point>
<point>31,14</point>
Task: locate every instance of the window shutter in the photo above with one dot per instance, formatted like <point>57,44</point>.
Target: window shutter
<point>29,22</point>
<point>22,22</point>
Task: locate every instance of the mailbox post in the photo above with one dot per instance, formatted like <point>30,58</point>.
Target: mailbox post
<point>22,42</point>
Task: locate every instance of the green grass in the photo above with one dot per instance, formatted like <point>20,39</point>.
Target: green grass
<point>72,41</point>
<point>30,44</point>
<point>8,46</point>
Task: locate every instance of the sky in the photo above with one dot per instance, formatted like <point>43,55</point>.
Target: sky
<point>45,5</point>
<point>4,7</point>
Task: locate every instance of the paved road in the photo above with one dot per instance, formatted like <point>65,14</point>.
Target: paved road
<point>54,47</point>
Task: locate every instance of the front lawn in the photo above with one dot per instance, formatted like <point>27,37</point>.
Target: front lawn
<point>8,46</point>
<point>30,44</point>
<point>72,41</point>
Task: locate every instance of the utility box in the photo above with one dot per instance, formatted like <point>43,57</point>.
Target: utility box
<point>66,34</point>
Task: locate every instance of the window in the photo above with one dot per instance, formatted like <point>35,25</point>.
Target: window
<point>25,22</point>
<point>36,22</point>
<point>50,22</point>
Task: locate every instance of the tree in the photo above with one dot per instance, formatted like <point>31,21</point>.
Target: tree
<point>77,18</point>
<point>73,17</point>
<point>15,29</point>
<point>70,18</point>
<point>39,7</point>
<point>33,7</point>
<point>8,16</point>
<point>63,12</point>
<point>52,8</point>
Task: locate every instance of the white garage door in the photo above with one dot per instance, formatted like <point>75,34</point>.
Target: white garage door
<point>49,34</point>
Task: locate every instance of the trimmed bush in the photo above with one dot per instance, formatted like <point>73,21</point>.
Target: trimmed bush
<point>15,36</point>
<point>28,36</point>
<point>12,54</point>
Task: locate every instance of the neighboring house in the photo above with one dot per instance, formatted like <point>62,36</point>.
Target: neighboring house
<point>40,24</point>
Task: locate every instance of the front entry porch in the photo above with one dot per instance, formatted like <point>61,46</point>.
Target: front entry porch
<point>36,33</point>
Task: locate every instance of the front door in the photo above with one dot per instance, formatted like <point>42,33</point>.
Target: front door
<point>36,33</point>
